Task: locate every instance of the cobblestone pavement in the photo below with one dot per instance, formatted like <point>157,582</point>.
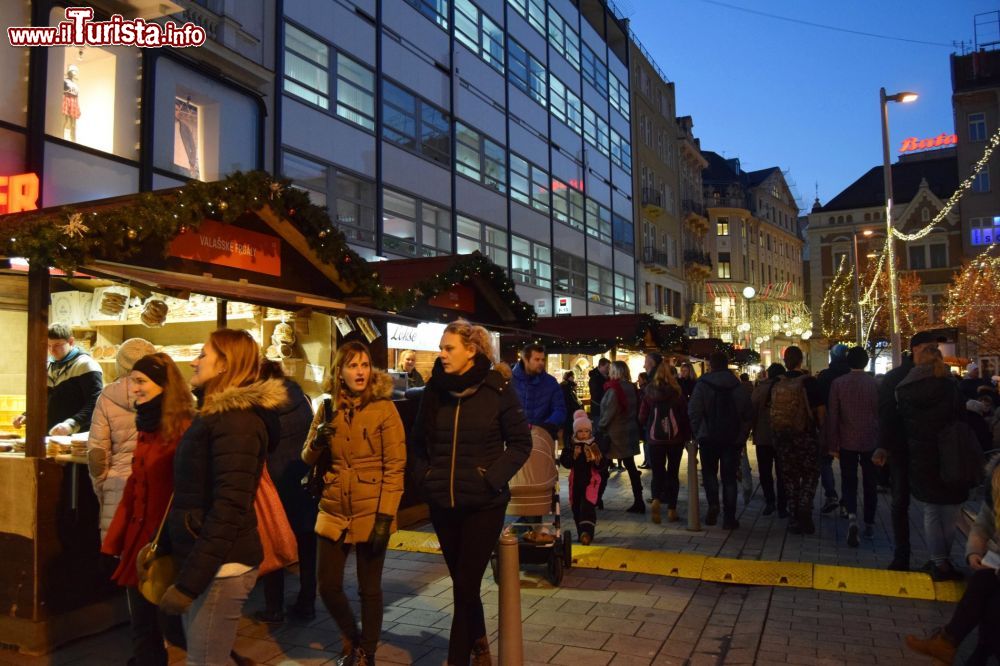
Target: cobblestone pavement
<point>611,617</point>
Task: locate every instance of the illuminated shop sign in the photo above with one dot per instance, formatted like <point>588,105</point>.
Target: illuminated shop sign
<point>425,336</point>
<point>913,144</point>
<point>18,193</point>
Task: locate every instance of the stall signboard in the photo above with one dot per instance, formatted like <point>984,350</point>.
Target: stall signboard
<point>457,297</point>
<point>18,193</point>
<point>228,245</point>
<point>425,336</point>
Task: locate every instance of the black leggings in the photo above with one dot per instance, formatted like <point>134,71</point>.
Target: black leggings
<point>980,605</point>
<point>332,557</point>
<point>274,582</point>
<point>665,464</point>
<point>149,628</point>
<point>467,538</point>
<point>634,477</point>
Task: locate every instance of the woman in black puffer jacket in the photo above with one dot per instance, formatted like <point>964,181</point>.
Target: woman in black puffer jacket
<point>212,525</point>
<point>470,438</point>
<point>929,400</point>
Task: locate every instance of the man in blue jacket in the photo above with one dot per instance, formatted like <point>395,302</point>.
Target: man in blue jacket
<point>539,391</point>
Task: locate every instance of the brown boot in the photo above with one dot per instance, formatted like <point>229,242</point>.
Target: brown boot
<point>347,644</point>
<point>481,652</point>
<point>938,645</point>
<point>672,516</point>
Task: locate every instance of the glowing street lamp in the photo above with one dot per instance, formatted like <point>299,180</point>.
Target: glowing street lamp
<point>903,98</point>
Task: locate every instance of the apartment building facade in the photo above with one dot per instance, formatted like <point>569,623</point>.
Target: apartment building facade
<point>656,184</point>
<point>446,126</point>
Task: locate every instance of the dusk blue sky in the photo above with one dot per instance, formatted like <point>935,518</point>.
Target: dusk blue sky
<point>804,98</point>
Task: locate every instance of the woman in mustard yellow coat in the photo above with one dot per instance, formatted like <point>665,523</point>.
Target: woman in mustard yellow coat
<point>363,487</point>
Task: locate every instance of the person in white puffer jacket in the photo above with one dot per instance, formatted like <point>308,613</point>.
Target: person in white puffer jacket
<point>112,433</point>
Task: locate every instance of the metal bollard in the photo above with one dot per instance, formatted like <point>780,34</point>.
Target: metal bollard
<point>511,646</point>
<point>694,520</point>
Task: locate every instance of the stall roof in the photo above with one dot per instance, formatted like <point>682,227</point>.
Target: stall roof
<point>452,286</point>
<point>598,333</point>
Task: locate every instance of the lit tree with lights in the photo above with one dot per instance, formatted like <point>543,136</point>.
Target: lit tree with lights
<point>837,312</point>
<point>974,301</point>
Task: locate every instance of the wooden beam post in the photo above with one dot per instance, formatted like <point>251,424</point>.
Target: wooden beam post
<point>38,353</point>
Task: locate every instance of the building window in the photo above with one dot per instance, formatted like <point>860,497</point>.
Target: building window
<point>621,152</point>
<point>984,230</point>
<point>618,95</point>
<point>624,292</point>
<point>526,73</point>
<point>939,255</point>
<point>530,262</point>
<point>350,200</point>
<point>725,271</point>
<point>565,104</point>
<point>472,235</point>
<point>414,124</point>
<point>564,38</point>
<point>598,221</point>
<point>594,71</point>
<point>596,131</point>
<point>569,273</point>
<point>435,10</point>
<point>981,183</point>
<point>977,126</point>
<point>918,257</point>
<point>479,158</point>
<point>529,184</point>
<point>722,226</point>
<point>600,284</point>
<point>308,63</point>
<point>479,34</point>
<point>532,11</point>
<point>306,67</point>
<point>623,234</point>
<point>567,205</point>
<point>92,96</point>
<point>414,227</point>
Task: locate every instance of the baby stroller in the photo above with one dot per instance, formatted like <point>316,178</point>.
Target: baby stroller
<point>534,492</point>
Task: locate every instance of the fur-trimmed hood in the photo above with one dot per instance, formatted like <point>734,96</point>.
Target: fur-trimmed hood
<point>269,394</point>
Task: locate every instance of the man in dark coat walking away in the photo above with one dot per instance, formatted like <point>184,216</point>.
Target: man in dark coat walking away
<point>893,448</point>
<point>721,415</point>
<point>595,381</point>
<point>838,368</point>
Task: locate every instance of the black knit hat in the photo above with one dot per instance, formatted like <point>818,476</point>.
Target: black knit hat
<point>153,367</point>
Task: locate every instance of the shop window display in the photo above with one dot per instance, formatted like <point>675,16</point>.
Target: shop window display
<point>190,138</point>
<point>91,97</point>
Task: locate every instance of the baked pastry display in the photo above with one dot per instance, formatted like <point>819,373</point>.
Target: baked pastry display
<point>154,313</point>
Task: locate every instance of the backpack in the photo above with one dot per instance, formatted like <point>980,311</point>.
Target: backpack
<point>789,409</point>
<point>663,426</point>
<point>723,418</point>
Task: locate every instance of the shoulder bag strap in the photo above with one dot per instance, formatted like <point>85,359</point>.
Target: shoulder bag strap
<point>159,531</point>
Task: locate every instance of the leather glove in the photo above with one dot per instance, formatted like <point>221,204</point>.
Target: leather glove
<point>324,433</point>
<point>175,602</point>
<point>379,539</point>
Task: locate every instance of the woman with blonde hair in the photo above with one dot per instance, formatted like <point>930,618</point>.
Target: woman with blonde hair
<point>164,408</point>
<point>363,486</point>
<point>667,428</point>
<point>470,438</point>
<point>212,525</point>
<point>620,425</point>
<point>408,364</point>
<point>980,604</point>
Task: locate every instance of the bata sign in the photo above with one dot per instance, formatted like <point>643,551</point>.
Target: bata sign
<point>914,144</point>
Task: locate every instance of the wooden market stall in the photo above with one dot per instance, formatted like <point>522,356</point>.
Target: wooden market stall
<point>248,252</point>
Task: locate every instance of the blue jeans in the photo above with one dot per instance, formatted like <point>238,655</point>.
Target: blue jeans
<point>939,529</point>
<point>826,476</point>
<point>212,620</point>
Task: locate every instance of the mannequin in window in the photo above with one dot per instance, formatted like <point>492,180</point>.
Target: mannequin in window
<point>186,122</point>
<point>71,102</point>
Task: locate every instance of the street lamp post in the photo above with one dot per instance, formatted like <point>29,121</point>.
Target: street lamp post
<point>902,97</point>
<point>857,291</point>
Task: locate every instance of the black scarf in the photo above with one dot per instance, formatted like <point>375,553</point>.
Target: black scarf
<point>443,381</point>
<point>149,414</point>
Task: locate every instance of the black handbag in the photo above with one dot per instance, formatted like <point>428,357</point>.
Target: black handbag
<point>313,481</point>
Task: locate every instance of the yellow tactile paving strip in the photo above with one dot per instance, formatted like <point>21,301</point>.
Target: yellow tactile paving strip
<point>850,580</point>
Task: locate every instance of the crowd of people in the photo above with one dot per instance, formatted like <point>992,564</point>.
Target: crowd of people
<point>180,463</point>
